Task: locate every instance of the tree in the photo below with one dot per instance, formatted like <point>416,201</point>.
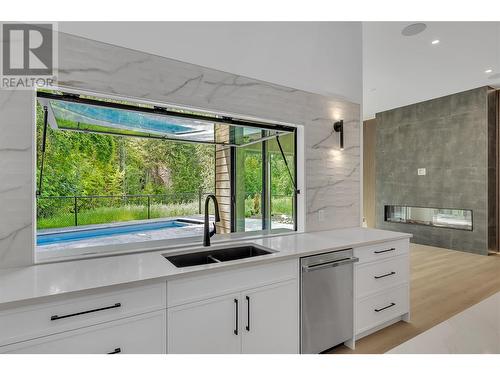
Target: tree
<point>96,164</point>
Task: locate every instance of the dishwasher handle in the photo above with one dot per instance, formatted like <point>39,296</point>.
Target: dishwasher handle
<point>334,263</point>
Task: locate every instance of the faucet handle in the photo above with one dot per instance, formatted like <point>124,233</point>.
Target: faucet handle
<point>214,231</point>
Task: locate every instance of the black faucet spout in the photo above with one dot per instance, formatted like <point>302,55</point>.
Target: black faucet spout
<point>206,232</point>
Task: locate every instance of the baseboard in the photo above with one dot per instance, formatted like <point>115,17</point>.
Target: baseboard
<point>404,317</point>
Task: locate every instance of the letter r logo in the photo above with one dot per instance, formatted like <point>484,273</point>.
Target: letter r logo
<point>27,49</point>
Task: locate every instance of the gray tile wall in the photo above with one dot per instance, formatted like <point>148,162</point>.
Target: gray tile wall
<point>493,103</point>
<point>449,137</point>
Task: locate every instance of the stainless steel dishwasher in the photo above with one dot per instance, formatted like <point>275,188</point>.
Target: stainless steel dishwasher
<point>326,300</point>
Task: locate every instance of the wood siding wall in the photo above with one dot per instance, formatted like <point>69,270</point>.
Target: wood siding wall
<point>369,139</point>
<point>223,178</point>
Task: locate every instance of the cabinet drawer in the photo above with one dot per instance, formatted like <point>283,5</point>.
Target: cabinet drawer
<point>145,333</point>
<point>67,313</point>
<point>380,308</point>
<point>375,277</point>
<point>200,287</point>
<point>381,250</point>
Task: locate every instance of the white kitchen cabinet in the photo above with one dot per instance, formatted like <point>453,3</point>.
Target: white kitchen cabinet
<point>141,334</point>
<point>378,276</point>
<point>271,319</point>
<point>382,286</point>
<point>71,312</point>
<point>258,320</point>
<point>382,307</point>
<point>227,281</point>
<point>123,319</point>
<point>207,326</point>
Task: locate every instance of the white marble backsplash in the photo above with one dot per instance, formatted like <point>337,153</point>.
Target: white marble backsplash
<point>16,178</point>
<point>332,177</point>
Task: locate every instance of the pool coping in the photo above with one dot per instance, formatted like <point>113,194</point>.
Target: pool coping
<point>184,219</point>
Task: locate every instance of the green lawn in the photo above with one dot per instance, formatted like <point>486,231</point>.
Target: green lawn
<point>282,205</point>
<point>102,215</point>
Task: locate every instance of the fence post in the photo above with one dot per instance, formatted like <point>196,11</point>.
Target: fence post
<point>76,211</point>
<point>199,200</point>
<point>149,206</point>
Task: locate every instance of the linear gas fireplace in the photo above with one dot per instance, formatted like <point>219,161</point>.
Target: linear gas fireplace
<point>435,217</point>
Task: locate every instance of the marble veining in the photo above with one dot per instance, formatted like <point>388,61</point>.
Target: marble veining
<point>10,189</point>
<point>16,178</point>
<point>332,178</point>
<point>12,149</point>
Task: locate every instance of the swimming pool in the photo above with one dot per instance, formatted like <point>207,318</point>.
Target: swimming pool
<point>75,235</point>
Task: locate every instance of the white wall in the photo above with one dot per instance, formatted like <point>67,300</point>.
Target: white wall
<point>320,57</point>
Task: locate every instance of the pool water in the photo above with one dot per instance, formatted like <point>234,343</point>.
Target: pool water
<point>75,235</point>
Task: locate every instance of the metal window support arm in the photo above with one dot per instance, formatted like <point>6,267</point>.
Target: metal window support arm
<point>44,145</point>
<point>297,191</point>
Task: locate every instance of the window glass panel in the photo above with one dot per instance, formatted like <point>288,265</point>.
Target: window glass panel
<point>282,186</point>
<point>265,193</point>
<point>85,117</point>
<point>100,190</point>
<point>114,176</point>
<point>70,114</point>
<point>248,184</point>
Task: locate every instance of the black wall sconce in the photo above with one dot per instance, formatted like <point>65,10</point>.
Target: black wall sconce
<point>339,127</point>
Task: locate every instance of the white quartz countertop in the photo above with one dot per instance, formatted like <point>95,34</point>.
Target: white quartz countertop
<point>44,280</point>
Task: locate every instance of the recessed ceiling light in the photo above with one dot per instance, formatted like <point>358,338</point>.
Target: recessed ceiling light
<point>488,71</point>
<point>436,41</point>
<point>414,29</point>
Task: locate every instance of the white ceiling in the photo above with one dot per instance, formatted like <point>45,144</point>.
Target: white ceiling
<point>325,57</point>
<point>399,70</point>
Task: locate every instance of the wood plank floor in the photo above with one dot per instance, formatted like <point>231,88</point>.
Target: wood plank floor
<point>443,283</point>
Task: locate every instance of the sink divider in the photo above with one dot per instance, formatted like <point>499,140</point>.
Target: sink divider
<point>211,257</point>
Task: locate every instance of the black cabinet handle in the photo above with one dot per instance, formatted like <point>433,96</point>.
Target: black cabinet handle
<point>116,351</point>
<point>384,275</point>
<point>236,307</point>
<point>56,317</point>
<point>386,307</point>
<point>384,251</point>
<point>248,314</point>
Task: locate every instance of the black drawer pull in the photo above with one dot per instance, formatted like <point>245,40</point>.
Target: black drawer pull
<point>384,251</point>
<point>56,317</point>
<point>248,314</point>
<point>385,275</point>
<point>383,308</point>
<point>236,329</point>
<point>116,351</point>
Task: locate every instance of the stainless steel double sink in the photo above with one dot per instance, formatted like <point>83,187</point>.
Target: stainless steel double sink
<point>217,255</point>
